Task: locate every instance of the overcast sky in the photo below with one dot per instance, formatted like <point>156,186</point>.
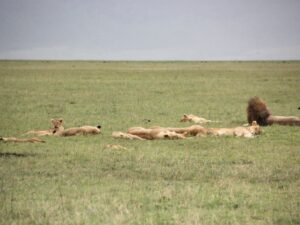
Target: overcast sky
<point>150,29</point>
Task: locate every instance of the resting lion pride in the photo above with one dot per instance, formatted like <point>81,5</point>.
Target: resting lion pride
<point>171,133</point>
<point>257,111</point>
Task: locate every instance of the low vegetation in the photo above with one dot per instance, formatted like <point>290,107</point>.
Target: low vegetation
<point>211,180</point>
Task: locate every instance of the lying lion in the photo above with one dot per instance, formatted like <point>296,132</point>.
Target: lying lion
<point>59,130</point>
<point>55,122</point>
<point>14,139</point>
<point>195,119</point>
<point>257,111</point>
<point>141,133</point>
<point>119,134</point>
<point>155,133</point>
<point>193,130</point>
<point>248,132</point>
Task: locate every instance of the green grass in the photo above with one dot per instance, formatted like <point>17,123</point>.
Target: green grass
<point>211,180</point>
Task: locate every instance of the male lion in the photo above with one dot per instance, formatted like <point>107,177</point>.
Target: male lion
<point>257,111</point>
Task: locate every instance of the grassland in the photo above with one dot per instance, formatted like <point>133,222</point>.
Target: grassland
<point>207,181</point>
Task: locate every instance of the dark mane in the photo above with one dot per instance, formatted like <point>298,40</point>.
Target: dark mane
<point>257,111</point>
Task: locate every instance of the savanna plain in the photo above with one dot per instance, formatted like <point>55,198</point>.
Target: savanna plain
<point>204,180</point>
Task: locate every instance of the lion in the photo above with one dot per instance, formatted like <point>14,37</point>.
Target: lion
<point>55,122</point>
<point>257,111</point>
<point>18,140</point>
<point>155,133</point>
<point>84,130</point>
<point>195,119</point>
<point>193,130</point>
<point>248,132</point>
<point>166,134</point>
<point>119,134</point>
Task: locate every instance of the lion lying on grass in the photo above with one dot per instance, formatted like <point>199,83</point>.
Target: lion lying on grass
<point>155,133</point>
<point>59,130</point>
<point>55,122</point>
<point>199,131</point>
<point>141,133</point>
<point>119,134</point>
<point>193,130</point>
<point>257,111</point>
<point>195,119</point>
<point>14,139</point>
<point>171,133</point>
<point>248,132</point>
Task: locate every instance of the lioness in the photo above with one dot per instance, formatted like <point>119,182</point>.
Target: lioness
<point>195,119</point>
<point>154,133</point>
<point>248,132</point>
<point>14,139</point>
<point>118,134</point>
<point>59,130</point>
<point>194,130</point>
<point>55,122</point>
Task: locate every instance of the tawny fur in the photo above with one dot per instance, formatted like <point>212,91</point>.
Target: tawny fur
<point>257,111</point>
<point>84,130</point>
<point>194,119</point>
<point>21,140</point>
<point>54,122</point>
<point>118,134</point>
<point>193,130</point>
<point>248,132</point>
<point>155,133</point>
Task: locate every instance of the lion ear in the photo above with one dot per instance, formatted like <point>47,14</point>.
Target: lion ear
<point>185,115</point>
<point>61,120</point>
<point>254,123</point>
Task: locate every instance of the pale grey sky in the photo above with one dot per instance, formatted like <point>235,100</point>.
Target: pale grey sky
<point>150,29</point>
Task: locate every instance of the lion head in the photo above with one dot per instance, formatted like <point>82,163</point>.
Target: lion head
<point>57,122</point>
<point>257,111</point>
<point>255,128</point>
